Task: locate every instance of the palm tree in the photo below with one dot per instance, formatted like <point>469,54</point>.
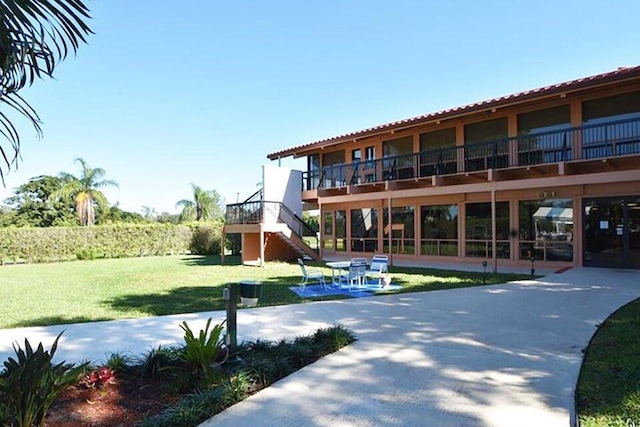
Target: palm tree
<point>84,190</point>
<point>34,36</point>
<point>205,205</point>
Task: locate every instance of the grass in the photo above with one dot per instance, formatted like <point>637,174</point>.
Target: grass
<point>608,392</point>
<point>86,291</point>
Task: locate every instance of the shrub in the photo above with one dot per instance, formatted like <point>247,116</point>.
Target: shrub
<point>200,352</point>
<point>205,240</point>
<point>159,361</point>
<point>109,241</point>
<point>31,383</point>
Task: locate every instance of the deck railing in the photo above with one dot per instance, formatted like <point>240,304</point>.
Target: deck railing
<point>616,138</point>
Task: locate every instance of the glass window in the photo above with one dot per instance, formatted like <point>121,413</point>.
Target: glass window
<point>611,139</point>
<point>540,138</point>
<point>478,233</point>
<point>341,230</point>
<point>399,158</point>
<point>486,131</point>
<point>547,120</point>
<point>333,158</point>
<point>356,155</point>
<point>437,138</point>
<point>370,153</point>
<point>439,230</point>
<point>313,162</point>
<point>617,107</point>
<point>397,147</point>
<point>401,229</point>
<point>546,229</point>
<point>364,230</point>
<point>313,175</point>
<point>328,223</point>
<point>438,153</point>
<point>333,170</point>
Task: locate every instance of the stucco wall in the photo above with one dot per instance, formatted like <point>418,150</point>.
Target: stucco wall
<point>282,185</point>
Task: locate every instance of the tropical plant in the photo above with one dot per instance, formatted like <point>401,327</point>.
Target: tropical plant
<point>34,36</point>
<point>84,190</point>
<point>199,353</point>
<point>159,361</point>
<point>31,383</point>
<point>206,205</point>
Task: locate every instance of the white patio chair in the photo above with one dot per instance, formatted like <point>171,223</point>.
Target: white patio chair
<point>379,267</point>
<point>357,275</point>
<point>311,275</point>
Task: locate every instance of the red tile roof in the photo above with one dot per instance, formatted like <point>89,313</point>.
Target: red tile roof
<point>608,77</point>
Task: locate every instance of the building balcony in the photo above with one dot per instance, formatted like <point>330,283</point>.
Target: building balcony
<point>575,148</point>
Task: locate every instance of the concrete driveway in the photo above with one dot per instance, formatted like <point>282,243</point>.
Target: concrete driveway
<point>502,355</point>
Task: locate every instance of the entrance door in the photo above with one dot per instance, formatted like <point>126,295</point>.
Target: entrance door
<point>612,232</point>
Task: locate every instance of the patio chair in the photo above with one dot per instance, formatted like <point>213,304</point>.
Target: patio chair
<point>311,275</point>
<point>359,260</point>
<point>379,267</point>
<point>357,275</point>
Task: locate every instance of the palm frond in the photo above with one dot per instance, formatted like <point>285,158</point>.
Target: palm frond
<point>34,36</point>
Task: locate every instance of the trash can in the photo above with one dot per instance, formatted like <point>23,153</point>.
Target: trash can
<point>250,292</point>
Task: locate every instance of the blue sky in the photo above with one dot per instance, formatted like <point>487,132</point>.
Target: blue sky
<point>168,93</point>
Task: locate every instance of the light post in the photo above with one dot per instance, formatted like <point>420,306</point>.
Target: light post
<point>484,274</point>
<point>249,292</point>
<point>533,266</point>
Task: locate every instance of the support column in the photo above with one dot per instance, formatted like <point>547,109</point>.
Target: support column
<point>223,237</point>
<point>494,245</point>
<point>390,222</point>
<point>261,245</point>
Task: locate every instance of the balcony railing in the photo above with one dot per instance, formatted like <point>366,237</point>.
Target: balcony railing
<point>616,138</point>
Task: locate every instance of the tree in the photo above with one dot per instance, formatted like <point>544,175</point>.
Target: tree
<point>117,215</point>
<point>33,207</point>
<point>84,190</point>
<point>206,205</point>
<point>34,36</point>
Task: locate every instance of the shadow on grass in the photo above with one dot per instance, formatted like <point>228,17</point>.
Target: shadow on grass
<point>200,261</point>
<point>188,299</point>
<point>275,291</point>
<point>56,320</point>
<point>192,299</point>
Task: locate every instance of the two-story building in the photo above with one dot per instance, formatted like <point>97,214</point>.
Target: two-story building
<point>551,173</point>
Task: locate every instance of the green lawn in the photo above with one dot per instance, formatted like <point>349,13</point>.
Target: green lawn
<point>609,383</point>
<point>84,291</point>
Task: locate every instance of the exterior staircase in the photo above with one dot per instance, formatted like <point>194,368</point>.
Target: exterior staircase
<point>280,226</point>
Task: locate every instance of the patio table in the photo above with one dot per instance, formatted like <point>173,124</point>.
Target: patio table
<point>337,269</point>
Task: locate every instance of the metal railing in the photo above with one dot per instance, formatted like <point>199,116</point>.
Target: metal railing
<point>616,138</point>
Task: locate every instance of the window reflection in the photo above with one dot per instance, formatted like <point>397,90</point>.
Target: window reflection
<point>546,229</point>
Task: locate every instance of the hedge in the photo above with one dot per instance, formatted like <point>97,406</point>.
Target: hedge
<point>107,241</point>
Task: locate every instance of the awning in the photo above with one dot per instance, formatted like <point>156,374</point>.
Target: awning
<point>561,214</point>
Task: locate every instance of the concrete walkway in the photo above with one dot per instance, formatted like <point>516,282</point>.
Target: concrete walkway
<point>500,355</point>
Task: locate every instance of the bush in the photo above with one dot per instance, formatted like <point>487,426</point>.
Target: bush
<point>108,241</point>
<point>30,383</point>
<point>206,239</point>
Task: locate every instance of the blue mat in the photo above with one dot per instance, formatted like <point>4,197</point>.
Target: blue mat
<point>314,291</point>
